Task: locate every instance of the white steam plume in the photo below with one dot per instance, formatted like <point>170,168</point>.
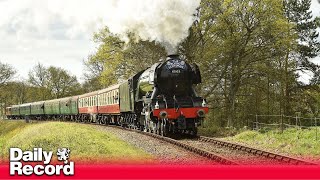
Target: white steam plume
<point>164,21</point>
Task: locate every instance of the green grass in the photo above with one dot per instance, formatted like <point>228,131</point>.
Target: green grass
<point>292,141</point>
<point>85,142</point>
<point>8,129</point>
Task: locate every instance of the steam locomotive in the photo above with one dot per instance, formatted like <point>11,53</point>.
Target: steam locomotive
<point>160,99</point>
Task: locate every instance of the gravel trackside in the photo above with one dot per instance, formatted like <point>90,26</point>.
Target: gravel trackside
<point>164,153</point>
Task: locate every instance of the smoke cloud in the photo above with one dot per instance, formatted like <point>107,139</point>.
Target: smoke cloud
<point>164,21</point>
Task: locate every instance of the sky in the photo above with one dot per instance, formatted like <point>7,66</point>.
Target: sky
<point>58,32</point>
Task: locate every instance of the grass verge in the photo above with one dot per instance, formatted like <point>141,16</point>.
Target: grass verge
<point>87,144</point>
<point>295,142</point>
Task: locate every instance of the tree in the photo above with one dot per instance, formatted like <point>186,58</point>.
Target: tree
<point>316,78</point>
<point>234,41</point>
<point>115,60</point>
<point>298,12</point>
<point>93,71</point>
<point>61,84</point>
<point>38,77</point>
<point>53,82</point>
<point>6,73</point>
<point>307,46</point>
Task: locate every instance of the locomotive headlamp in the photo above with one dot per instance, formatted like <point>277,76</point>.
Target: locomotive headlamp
<point>157,105</point>
<point>204,104</point>
<point>163,114</point>
<point>201,113</point>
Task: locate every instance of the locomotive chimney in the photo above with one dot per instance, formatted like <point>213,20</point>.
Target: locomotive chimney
<point>173,56</point>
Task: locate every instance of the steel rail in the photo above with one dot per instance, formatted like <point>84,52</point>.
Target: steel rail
<point>255,151</point>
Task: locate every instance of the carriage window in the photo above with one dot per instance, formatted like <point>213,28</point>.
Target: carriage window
<point>117,96</point>
<point>112,97</point>
<point>101,99</point>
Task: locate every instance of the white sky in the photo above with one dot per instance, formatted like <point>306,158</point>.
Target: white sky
<point>55,32</point>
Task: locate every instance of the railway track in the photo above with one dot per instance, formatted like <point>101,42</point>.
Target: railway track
<point>255,151</point>
<point>222,159</point>
<point>233,146</point>
<point>214,156</point>
<point>210,155</point>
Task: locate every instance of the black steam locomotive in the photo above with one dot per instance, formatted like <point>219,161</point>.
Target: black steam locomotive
<point>163,99</point>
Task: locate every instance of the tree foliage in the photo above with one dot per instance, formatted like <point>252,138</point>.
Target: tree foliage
<point>115,60</point>
<point>6,73</point>
<point>53,82</point>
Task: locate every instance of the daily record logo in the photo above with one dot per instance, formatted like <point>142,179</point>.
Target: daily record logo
<point>19,162</point>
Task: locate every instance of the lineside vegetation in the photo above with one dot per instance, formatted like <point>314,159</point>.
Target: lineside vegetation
<point>295,142</point>
<point>85,142</point>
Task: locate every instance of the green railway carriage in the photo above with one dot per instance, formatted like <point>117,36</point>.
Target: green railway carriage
<point>74,105</point>
<point>8,112</point>
<point>126,100</point>
<point>65,105</point>
<point>69,105</point>
<point>15,111</point>
<point>52,107</point>
<point>127,91</point>
<point>25,109</point>
<point>37,108</point>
